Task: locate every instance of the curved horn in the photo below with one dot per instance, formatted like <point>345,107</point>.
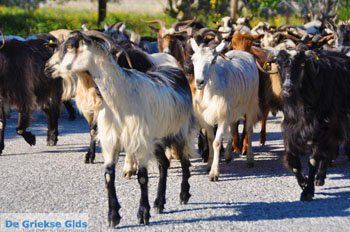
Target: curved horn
<point>111,45</point>
<point>3,39</point>
<point>126,56</point>
<point>184,24</point>
<point>188,30</point>
<point>202,31</point>
<point>161,23</point>
<point>263,70</point>
<point>115,26</point>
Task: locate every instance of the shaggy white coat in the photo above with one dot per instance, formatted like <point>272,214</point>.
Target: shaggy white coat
<point>136,112</point>
<point>226,90</point>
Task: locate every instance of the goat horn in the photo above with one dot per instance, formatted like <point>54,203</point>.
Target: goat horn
<point>116,26</point>
<point>111,45</point>
<point>161,23</point>
<point>224,56</point>
<point>3,39</point>
<point>185,24</point>
<point>202,31</point>
<point>188,30</point>
<point>126,56</point>
<point>263,70</point>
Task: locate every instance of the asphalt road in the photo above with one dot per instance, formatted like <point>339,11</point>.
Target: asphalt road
<point>43,179</point>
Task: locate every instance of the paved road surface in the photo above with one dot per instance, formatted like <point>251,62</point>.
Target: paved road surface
<point>43,179</point>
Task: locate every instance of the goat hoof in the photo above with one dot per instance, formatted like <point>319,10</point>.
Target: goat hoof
<point>213,178</point>
<point>262,142</point>
<point>250,165</point>
<point>143,216</point>
<point>184,198</point>
<point>319,182</point>
<point>129,174</point>
<point>306,196</point>
<point>51,143</point>
<point>89,158</point>
<point>159,210</point>
<point>158,206</point>
<point>29,138</point>
<point>113,219</point>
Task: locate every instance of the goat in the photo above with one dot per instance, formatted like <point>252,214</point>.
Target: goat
<point>315,122</point>
<point>25,87</point>
<point>226,90</point>
<point>162,95</point>
<point>270,94</point>
<point>168,39</point>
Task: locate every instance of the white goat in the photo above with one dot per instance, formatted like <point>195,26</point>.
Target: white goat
<point>226,90</point>
<point>140,113</point>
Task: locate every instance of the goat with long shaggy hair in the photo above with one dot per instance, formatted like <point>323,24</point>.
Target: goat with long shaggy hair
<point>140,113</point>
<point>270,93</point>
<point>226,90</point>
<point>315,89</point>
<point>25,87</point>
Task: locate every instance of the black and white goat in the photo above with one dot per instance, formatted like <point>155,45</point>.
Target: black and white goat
<point>315,90</point>
<point>25,87</point>
<point>140,112</point>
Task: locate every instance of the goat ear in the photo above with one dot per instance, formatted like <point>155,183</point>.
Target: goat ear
<point>51,45</point>
<point>221,47</point>
<point>153,28</point>
<point>194,44</point>
<point>312,68</point>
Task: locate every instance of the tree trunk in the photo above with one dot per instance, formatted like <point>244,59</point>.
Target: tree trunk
<point>234,7</point>
<point>102,10</point>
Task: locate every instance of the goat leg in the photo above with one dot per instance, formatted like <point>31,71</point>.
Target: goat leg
<point>293,162</point>
<point>262,138</point>
<point>163,165</point>
<point>347,149</point>
<point>143,214</point>
<point>52,113</point>
<point>130,165</point>
<point>237,145</point>
<point>185,186</point>
<point>309,190</point>
<point>113,204</point>
<point>321,173</point>
<point>22,125</point>
<point>203,146</point>
<point>70,110</point>
<point>90,155</point>
<point>2,128</point>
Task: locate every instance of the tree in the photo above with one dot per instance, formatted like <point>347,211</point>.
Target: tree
<point>102,10</point>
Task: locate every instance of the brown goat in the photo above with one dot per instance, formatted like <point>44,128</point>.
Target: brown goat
<point>270,93</point>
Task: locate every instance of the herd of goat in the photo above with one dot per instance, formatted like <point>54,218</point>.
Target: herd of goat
<point>151,98</point>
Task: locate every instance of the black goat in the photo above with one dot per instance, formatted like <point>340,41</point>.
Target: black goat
<point>25,87</point>
<point>315,90</point>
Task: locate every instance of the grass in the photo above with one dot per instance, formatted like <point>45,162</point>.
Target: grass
<point>19,21</point>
